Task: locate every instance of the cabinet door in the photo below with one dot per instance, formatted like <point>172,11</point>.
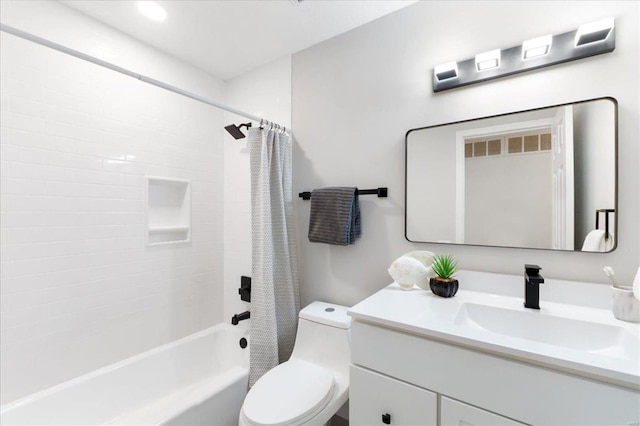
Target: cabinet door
<point>456,413</point>
<point>375,399</point>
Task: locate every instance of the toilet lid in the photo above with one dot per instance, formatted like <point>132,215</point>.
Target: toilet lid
<point>291,392</point>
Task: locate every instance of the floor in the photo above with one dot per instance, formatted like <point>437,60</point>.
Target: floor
<point>338,421</point>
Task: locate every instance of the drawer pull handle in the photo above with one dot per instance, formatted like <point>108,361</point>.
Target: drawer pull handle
<point>386,418</point>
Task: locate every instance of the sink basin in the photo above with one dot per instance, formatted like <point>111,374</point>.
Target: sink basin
<point>553,330</point>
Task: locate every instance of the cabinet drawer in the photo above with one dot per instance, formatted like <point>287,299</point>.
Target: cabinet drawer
<point>373,396</point>
<point>455,413</point>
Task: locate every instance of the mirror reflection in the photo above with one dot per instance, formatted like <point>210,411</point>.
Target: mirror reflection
<point>543,179</point>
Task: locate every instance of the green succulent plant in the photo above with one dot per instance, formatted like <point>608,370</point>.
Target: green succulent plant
<point>444,265</point>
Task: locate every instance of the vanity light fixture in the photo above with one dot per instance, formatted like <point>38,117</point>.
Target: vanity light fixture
<point>488,60</point>
<point>446,71</point>
<point>589,40</point>
<point>152,10</point>
<point>594,32</point>
<point>536,47</point>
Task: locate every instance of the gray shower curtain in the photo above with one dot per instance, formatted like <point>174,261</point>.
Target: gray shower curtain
<point>275,298</point>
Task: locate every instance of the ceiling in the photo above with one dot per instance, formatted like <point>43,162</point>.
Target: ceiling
<point>229,37</point>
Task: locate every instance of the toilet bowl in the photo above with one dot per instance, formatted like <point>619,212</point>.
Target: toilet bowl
<point>313,384</point>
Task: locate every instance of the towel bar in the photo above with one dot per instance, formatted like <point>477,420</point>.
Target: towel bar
<point>606,220</point>
<point>380,192</point>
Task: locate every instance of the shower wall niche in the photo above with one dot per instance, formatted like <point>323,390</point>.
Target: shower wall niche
<point>168,210</point>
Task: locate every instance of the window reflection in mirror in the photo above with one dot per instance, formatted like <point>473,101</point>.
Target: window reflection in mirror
<point>543,179</point>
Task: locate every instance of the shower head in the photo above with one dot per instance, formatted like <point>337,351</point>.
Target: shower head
<point>235,130</point>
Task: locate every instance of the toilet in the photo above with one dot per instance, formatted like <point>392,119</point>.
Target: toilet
<point>313,384</point>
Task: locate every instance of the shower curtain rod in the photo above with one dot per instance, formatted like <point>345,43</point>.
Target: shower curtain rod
<point>50,44</point>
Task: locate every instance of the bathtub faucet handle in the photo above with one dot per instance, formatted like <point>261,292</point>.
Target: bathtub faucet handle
<point>240,317</point>
<point>245,289</point>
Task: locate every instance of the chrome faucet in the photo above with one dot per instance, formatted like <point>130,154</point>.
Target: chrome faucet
<point>532,281</point>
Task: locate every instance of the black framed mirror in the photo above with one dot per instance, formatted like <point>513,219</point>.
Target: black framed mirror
<point>544,178</point>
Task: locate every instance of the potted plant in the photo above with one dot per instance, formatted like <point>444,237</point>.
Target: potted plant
<point>443,284</point>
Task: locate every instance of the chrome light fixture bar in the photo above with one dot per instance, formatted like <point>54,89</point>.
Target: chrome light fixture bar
<point>589,40</point>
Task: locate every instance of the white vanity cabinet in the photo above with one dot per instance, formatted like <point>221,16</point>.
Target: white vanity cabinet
<point>419,380</point>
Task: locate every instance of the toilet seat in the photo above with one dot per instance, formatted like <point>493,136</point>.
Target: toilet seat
<point>291,393</point>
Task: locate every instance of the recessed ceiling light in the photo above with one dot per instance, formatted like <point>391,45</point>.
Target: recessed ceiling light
<point>152,10</point>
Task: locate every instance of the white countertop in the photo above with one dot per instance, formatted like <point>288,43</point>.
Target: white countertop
<point>582,340</point>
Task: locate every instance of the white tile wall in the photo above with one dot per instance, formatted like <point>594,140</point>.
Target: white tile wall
<point>79,288</point>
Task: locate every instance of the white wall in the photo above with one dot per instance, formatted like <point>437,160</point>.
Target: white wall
<point>356,95</point>
<point>265,92</point>
<point>594,164</point>
<point>79,287</point>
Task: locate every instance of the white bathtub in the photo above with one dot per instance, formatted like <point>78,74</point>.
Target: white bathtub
<point>200,379</point>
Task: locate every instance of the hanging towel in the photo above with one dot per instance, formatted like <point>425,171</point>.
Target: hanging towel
<point>596,241</point>
<point>335,216</point>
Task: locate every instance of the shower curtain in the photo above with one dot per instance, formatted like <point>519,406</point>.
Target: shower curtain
<point>275,298</point>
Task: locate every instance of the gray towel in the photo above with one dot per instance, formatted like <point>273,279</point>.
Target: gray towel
<point>335,216</point>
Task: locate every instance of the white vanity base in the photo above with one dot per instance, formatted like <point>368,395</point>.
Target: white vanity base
<point>427,370</point>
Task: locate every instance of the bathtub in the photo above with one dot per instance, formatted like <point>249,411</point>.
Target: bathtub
<point>200,379</point>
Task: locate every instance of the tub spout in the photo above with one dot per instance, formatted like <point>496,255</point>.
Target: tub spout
<point>240,317</point>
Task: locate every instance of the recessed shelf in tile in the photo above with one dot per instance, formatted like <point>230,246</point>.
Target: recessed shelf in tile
<point>168,210</point>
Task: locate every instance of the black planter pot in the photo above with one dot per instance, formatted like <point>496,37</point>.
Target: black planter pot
<point>443,287</point>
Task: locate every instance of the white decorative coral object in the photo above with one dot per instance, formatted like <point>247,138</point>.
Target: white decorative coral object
<point>412,268</point>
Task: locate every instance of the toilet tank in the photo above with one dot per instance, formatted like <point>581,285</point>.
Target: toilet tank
<point>324,336</point>
<point>327,314</point>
